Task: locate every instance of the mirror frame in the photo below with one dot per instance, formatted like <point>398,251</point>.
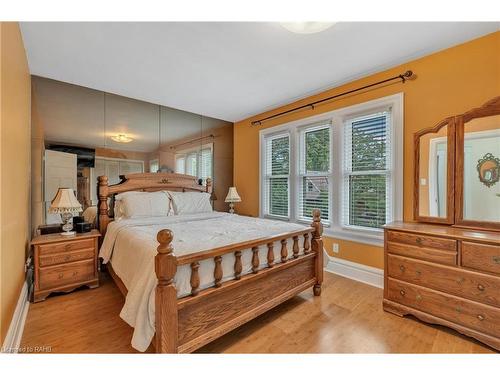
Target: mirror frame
<point>450,175</point>
<point>490,108</point>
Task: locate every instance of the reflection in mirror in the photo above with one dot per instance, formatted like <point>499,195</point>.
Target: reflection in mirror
<point>481,197</point>
<point>433,168</point>
<point>118,135</point>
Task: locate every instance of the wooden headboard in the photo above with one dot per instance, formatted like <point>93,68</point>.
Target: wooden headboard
<point>142,182</point>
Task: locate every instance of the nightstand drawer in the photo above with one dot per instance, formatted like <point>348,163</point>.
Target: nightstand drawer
<point>71,273</point>
<point>62,247</point>
<point>73,256</point>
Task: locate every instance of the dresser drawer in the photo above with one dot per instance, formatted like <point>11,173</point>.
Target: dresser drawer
<point>62,247</point>
<point>425,253</point>
<point>73,256</point>
<point>422,241</point>
<point>470,314</point>
<point>471,285</point>
<point>481,257</point>
<point>71,273</point>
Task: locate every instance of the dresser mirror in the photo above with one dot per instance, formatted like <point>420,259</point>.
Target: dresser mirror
<point>434,173</point>
<point>457,170</point>
<point>478,167</point>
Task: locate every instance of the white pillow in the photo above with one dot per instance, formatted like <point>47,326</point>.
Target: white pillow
<point>143,204</point>
<point>190,202</point>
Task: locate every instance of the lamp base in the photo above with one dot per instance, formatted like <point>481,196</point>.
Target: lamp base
<point>68,233</point>
<point>231,208</point>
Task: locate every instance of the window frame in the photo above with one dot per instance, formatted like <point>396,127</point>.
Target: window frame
<point>263,177</point>
<point>334,227</point>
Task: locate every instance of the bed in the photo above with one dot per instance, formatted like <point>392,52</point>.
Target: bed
<point>212,271</point>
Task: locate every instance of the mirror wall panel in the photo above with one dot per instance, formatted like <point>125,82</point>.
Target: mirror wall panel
<point>217,139</point>
<point>481,169</point>
<point>180,142</point>
<point>124,136</point>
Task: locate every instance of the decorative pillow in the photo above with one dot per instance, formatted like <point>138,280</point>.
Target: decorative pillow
<point>190,202</point>
<point>142,204</point>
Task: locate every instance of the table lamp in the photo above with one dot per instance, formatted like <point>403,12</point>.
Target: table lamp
<point>65,203</point>
<point>231,198</point>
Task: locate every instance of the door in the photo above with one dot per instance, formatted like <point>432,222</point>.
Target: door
<point>60,171</point>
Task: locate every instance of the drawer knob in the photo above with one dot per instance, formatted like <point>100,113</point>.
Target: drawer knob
<point>418,241</point>
<point>480,287</point>
<point>75,273</point>
<point>496,259</point>
<point>480,317</point>
<point>67,247</point>
<point>418,273</point>
<point>402,268</point>
<point>66,258</point>
<point>419,297</point>
<point>402,292</point>
<point>60,276</point>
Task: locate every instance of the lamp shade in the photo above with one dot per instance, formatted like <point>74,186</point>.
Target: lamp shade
<point>64,201</point>
<point>232,195</point>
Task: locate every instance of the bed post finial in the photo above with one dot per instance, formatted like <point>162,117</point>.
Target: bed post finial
<point>317,248</point>
<point>166,319</point>
<point>208,185</point>
<point>103,217</point>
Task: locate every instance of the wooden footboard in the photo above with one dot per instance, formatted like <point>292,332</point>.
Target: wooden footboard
<point>185,324</point>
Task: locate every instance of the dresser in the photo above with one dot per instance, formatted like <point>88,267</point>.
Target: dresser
<point>64,263</point>
<point>444,275</point>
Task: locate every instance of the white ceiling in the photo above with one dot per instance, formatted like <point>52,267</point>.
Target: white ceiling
<point>228,70</point>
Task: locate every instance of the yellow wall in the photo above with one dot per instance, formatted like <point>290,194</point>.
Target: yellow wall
<point>448,82</point>
<point>15,169</point>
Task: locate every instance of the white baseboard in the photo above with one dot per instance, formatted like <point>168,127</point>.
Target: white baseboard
<point>359,272</point>
<point>15,333</point>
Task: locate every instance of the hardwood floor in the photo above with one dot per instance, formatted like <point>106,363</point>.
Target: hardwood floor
<point>347,318</point>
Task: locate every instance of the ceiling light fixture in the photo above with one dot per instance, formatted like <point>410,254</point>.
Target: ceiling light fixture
<point>122,138</point>
<point>306,27</point>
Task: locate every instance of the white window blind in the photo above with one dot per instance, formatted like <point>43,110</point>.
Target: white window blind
<point>191,164</point>
<point>367,174</point>
<point>206,163</point>
<point>277,175</point>
<point>180,164</point>
<point>314,171</point>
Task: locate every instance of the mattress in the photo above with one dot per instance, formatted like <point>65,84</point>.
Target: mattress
<point>130,246</point>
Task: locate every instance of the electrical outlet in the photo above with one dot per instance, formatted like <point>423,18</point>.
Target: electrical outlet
<point>335,247</point>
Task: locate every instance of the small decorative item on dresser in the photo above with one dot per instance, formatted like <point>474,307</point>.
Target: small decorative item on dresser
<point>65,203</point>
<point>63,264</point>
<point>231,198</point>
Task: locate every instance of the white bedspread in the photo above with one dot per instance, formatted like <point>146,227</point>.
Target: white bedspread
<point>130,245</point>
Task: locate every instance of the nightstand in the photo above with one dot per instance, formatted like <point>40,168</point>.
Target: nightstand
<point>64,263</point>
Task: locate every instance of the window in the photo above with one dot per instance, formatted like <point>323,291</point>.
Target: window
<point>195,162</point>
<point>366,172</point>
<point>277,175</point>
<point>154,165</point>
<point>348,163</point>
<point>314,171</point>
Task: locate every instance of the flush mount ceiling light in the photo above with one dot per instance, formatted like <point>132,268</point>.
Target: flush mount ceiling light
<point>121,138</point>
<point>306,27</point>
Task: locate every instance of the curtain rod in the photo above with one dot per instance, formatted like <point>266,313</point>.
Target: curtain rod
<point>193,140</point>
<point>403,77</point>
